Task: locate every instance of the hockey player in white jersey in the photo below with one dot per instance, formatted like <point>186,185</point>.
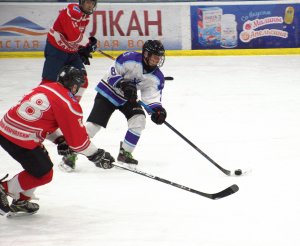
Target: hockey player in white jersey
<point>131,72</point>
<point>117,90</point>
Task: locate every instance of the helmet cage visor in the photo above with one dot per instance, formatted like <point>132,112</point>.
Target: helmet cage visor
<point>154,47</point>
<point>148,57</point>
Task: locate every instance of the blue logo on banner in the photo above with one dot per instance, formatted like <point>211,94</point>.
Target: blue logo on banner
<point>20,26</point>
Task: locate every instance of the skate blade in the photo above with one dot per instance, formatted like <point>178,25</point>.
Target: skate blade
<point>65,168</point>
<point>131,166</point>
<point>2,212</point>
<point>18,214</point>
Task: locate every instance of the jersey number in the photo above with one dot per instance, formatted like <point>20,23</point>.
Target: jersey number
<point>33,109</point>
<point>113,71</point>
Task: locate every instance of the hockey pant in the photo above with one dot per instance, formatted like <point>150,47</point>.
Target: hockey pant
<point>37,169</point>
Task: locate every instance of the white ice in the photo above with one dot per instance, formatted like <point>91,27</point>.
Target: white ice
<point>243,112</point>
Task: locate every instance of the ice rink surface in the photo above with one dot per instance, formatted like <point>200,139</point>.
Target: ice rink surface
<point>244,112</point>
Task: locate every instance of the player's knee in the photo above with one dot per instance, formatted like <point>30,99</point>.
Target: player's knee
<point>137,122</point>
<point>46,178</point>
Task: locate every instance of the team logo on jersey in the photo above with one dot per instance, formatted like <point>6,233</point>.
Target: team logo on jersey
<point>20,26</point>
<point>76,8</point>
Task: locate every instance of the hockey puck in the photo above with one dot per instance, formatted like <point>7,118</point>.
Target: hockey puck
<point>169,78</point>
<point>238,172</point>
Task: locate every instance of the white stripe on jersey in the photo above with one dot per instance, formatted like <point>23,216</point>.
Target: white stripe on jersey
<point>19,130</point>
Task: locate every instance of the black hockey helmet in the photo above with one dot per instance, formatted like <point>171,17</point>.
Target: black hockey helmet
<point>69,76</point>
<point>81,2</point>
<point>153,47</point>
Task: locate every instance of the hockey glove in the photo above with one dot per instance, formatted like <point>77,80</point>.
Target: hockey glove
<point>102,159</point>
<point>85,52</point>
<point>92,45</point>
<point>129,90</point>
<point>159,116</point>
<point>84,55</point>
<point>62,147</point>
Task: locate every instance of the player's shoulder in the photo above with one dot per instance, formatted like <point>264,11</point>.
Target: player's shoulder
<point>158,77</point>
<point>74,11</point>
<point>129,56</point>
<point>159,73</point>
<point>59,95</point>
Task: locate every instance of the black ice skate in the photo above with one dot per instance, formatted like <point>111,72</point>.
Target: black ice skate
<point>68,163</point>
<point>19,207</point>
<point>126,157</point>
<point>4,205</point>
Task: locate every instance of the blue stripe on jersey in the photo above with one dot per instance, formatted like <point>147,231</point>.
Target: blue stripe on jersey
<point>155,105</point>
<point>129,56</point>
<point>109,94</point>
<point>114,80</point>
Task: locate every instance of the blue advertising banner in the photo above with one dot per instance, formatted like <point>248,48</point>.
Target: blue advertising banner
<point>245,26</point>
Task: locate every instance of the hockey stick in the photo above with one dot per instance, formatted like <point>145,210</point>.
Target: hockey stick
<point>214,196</point>
<point>107,55</point>
<point>112,58</point>
<point>237,172</point>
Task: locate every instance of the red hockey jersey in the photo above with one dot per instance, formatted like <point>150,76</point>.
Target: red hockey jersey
<point>41,112</point>
<point>67,33</point>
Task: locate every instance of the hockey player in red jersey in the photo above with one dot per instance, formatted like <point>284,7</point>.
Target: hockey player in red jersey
<point>25,126</point>
<point>67,44</point>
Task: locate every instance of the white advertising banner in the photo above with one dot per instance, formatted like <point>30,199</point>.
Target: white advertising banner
<point>24,27</point>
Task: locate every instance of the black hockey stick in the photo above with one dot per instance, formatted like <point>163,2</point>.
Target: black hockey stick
<point>112,58</point>
<point>227,192</point>
<point>237,172</point>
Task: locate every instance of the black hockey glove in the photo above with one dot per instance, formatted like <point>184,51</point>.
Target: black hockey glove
<point>129,89</point>
<point>102,159</point>
<point>159,116</point>
<point>92,45</point>
<point>84,56</point>
<point>62,147</point>
<point>85,52</point>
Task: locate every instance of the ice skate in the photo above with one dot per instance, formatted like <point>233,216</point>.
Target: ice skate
<point>68,163</point>
<point>126,157</point>
<point>20,208</point>
<point>4,205</point>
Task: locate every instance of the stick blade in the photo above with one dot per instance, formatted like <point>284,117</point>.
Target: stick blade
<point>227,192</point>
